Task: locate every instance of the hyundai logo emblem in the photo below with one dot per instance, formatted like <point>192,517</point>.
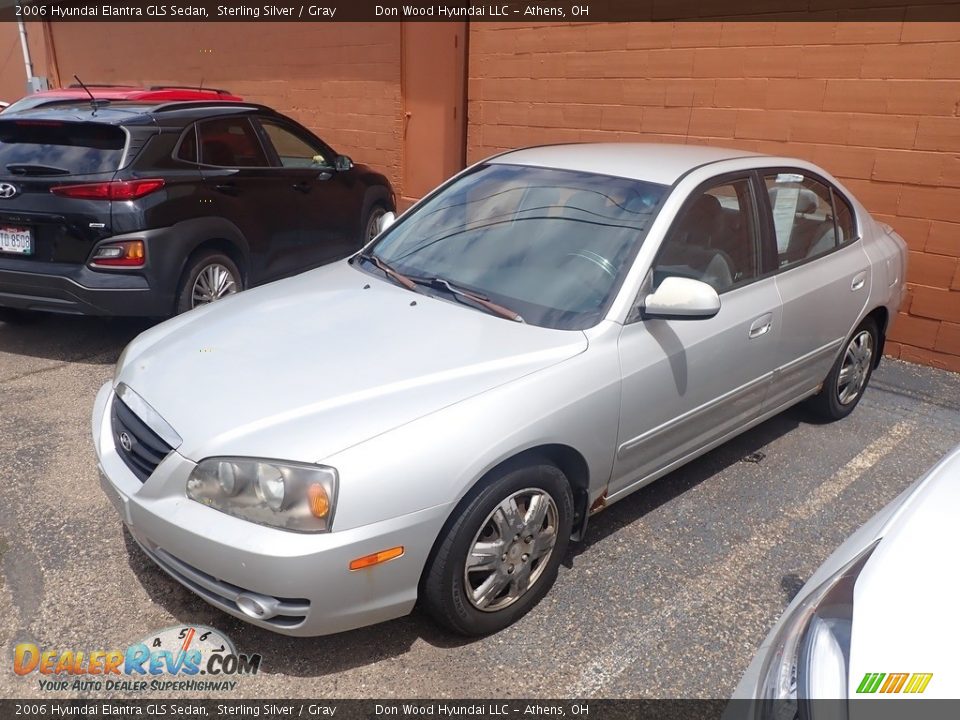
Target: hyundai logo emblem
<point>8,191</point>
<point>125,442</point>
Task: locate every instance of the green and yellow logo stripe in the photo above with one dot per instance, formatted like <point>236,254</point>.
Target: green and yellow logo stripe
<point>913,683</point>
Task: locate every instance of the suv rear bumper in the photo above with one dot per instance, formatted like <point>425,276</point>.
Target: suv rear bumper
<point>78,290</point>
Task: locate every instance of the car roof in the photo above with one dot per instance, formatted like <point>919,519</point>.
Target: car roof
<point>136,112</point>
<point>660,163</point>
<point>131,92</point>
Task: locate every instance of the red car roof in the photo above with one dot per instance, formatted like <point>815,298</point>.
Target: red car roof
<point>159,93</point>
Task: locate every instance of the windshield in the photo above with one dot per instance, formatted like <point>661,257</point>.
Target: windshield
<point>551,245</point>
<point>72,148</point>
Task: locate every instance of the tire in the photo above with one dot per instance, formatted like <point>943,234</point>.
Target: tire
<point>371,222</point>
<point>838,398</point>
<point>488,597</point>
<point>202,273</point>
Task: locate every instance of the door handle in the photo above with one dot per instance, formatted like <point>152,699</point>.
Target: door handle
<point>303,186</point>
<point>228,188</point>
<point>858,282</point>
<point>761,326</point>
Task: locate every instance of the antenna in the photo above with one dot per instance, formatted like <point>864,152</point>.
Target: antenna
<point>94,103</point>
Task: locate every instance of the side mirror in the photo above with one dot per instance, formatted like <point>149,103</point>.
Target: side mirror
<point>385,221</point>
<point>342,163</point>
<point>681,298</point>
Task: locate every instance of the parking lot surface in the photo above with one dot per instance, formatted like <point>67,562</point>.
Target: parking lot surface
<point>669,595</point>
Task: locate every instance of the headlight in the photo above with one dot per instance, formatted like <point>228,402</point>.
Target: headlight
<point>290,496</point>
<point>810,656</point>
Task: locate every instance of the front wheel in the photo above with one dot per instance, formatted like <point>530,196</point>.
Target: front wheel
<point>849,375</point>
<point>210,276</point>
<point>500,555</point>
<point>371,223</point>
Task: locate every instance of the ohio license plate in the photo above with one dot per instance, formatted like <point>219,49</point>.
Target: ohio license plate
<point>16,240</point>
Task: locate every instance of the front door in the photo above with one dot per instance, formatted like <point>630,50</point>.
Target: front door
<point>689,383</point>
<point>328,208</point>
<point>434,125</point>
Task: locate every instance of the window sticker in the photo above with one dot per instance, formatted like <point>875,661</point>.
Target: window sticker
<point>784,213</point>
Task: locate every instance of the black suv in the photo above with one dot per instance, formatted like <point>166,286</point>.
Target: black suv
<point>129,208</point>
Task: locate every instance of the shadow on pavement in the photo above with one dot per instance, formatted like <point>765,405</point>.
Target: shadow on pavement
<point>661,491</point>
<point>70,338</point>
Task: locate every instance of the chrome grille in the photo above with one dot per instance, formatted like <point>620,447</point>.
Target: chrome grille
<point>138,446</point>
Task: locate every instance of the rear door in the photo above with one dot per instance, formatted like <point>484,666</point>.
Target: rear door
<point>38,226</point>
<point>244,188</point>
<point>823,276</point>
<point>329,201</point>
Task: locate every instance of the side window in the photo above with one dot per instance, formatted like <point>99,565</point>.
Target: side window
<point>293,151</point>
<point>846,222</point>
<point>188,146</point>
<point>802,217</point>
<point>230,142</point>
<point>714,239</point>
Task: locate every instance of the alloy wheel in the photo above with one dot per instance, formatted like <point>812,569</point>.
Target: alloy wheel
<point>373,223</point>
<point>215,281</point>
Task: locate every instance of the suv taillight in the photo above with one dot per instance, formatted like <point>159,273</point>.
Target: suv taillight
<point>113,190</point>
<point>127,253</point>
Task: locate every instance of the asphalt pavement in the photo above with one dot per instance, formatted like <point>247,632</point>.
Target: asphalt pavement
<point>669,595</point>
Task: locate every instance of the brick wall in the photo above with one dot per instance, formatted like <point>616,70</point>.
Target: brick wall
<point>876,104</point>
<point>342,81</point>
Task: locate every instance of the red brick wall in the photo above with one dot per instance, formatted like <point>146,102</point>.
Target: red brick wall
<point>342,81</point>
<point>876,104</point>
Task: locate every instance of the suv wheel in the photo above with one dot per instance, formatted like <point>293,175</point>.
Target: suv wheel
<point>372,223</point>
<point>500,556</point>
<point>209,277</point>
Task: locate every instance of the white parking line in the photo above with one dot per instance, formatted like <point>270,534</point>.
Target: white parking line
<point>629,648</point>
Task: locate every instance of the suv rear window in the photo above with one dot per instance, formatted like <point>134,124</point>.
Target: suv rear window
<point>41,147</point>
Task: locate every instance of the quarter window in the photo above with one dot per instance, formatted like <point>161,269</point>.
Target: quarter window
<point>714,239</point>
<point>293,151</point>
<point>846,222</point>
<point>230,142</point>
<point>802,217</point>
<point>188,146</point>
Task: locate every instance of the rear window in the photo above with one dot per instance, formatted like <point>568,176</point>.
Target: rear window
<point>36,147</point>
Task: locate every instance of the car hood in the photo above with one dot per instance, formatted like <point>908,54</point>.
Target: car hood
<point>905,599</point>
<point>305,367</point>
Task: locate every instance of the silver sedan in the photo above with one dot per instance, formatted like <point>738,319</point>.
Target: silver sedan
<point>436,417</point>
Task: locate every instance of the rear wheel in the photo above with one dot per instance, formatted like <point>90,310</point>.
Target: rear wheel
<point>849,375</point>
<point>210,276</point>
<point>500,555</point>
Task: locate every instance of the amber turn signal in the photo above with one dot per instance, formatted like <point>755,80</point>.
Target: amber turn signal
<point>376,558</point>
<point>319,502</point>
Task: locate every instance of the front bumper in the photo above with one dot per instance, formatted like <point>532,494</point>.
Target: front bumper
<point>304,577</point>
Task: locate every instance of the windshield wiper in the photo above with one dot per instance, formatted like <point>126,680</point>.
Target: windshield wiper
<point>482,301</point>
<point>389,271</point>
<point>30,169</point>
